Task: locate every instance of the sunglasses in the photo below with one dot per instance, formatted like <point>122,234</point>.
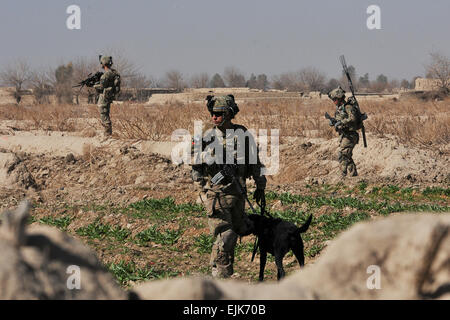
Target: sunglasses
<point>217,114</point>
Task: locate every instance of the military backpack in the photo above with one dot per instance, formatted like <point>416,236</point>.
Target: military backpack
<point>359,117</point>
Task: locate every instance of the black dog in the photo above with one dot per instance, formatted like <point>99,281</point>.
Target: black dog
<point>277,237</point>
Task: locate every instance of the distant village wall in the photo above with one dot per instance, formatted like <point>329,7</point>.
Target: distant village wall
<point>423,84</point>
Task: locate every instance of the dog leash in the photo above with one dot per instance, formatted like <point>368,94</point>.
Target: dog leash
<point>262,206</point>
<point>230,172</point>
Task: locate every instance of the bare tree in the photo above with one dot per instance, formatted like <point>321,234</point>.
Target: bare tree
<point>312,78</point>
<point>140,81</point>
<point>405,84</point>
<point>156,82</point>
<point>261,82</point>
<point>277,83</point>
<point>331,84</point>
<point>16,75</point>
<point>380,84</point>
<point>290,81</point>
<point>217,82</point>
<point>439,68</point>
<point>42,83</point>
<point>174,79</point>
<point>63,83</point>
<point>258,82</point>
<point>233,77</point>
<point>200,80</point>
<point>251,82</point>
<point>394,84</point>
<point>364,81</point>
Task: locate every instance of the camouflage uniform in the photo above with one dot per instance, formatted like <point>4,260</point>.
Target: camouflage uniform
<point>224,203</point>
<point>349,138</point>
<point>107,89</point>
<point>346,126</point>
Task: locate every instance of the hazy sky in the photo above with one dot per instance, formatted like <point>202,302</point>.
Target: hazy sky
<point>208,35</point>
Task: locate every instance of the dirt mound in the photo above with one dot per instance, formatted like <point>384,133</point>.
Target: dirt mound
<point>38,263</point>
<point>101,174</point>
<point>385,160</point>
<point>13,172</point>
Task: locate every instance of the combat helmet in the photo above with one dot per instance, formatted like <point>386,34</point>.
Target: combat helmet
<point>224,104</point>
<point>105,60</point>
<point>337,93</point>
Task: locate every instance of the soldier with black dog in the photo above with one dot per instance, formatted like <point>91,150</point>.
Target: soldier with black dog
<point>224,144</point>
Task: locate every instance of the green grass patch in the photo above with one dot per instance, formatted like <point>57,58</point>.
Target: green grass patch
<point>60,222</point>
<point>30,219</point>
<point>390,189</point>
<point>331,224</point>
<point>383,207</point>
<point>436,191</point>
<point>152,234</point>
<point>297,217</point>
<point>98,230</point>
<point>204,243</point>
<point>94,207</point>
<point>362,186</point>
<point>164,209</point>
<point>314,250</point>
<point>407,191</point>
<point>246,247</point>
<point>125,272</point>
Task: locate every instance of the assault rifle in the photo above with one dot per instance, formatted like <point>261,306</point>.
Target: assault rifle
<point>229,171</point>
<point>90,81</point>
<point>350,84</point>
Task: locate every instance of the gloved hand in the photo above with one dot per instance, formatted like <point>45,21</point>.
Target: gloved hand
<point>338,125</point>
<point>259,195</point>
<point>351,100</point>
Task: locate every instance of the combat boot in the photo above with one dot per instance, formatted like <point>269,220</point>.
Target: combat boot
<point>223,266</point>
<point>352,170</point>
<point>343,166</point>
<point>108,131</point>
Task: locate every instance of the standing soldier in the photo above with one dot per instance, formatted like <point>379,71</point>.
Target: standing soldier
<point>346,122</point>
<point>107,88</point>
<point>224,201</point>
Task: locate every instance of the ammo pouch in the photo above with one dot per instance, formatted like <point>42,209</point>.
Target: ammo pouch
<point>226,175</point>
